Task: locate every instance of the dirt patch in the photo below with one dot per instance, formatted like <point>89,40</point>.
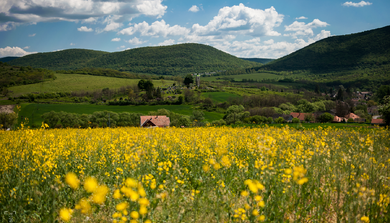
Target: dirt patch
<point>7,108</point>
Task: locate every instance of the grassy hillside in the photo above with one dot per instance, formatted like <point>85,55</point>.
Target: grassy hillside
<point>77,82</point>
<point>59,60</point>
<point>163,60</point>
<point>349,52</point>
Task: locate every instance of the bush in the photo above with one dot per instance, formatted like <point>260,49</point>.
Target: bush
<point>279,120</point>
<point>350,120</point>
<point>218,122</point>
<point>326,117</point>
<point>295,120</point>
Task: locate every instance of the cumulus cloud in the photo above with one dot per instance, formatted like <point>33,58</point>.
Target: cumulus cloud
<point>32,35</point>
<point>84,29</point>
<point>72,44</point>
<point>360,4</point>
<point>242,20</point>
<point>116,40</point>
<point>26,47</point>
<point>167,42</point>
<point>156,29</point>
<point>136,41</point>
<point>194,8</point>
<point>13,52</point>
<point>302,17</point>
<point>32,11</point>
<point>303,29</point>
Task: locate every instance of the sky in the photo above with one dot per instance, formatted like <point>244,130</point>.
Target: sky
<point>249,29</point>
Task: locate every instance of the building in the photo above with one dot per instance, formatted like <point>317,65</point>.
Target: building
<point>378,122</point>
<point>155,121</point>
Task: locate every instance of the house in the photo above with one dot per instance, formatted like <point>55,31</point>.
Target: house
<point>377,121</point>
<point>352,116</point>
<point>338,119</point>
<point>300,116</point>
<point>155,121</point>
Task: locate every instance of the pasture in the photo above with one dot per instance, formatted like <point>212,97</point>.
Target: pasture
<point>210,174</point>
<point>78,82</point>
<point>219,96</point>
<point>254,76</point>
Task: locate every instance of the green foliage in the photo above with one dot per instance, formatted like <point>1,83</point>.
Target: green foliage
<point>295,120</point>
<point>15,75</point>
<point>7,120</point>
<point>325,117</point>
<point>383,91</point>
<point>218,122</point>
<point>235,114</point>
<point>188,80</point>
<point>146,85</point>
<point>198,117</point>
<point>309,118</point>
<point>384,110</point>
<point>163,60</point>
<point>279,120</point>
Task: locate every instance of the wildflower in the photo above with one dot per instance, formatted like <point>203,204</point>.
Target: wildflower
<point>117,194</point>
<point>261,218</point>
<point>84,206</point>
<point>90,184</point>
<point>121,206</point>
<point>65,214</point>
<point>302,181</point>
<point>244,193</point>
<point>206,168</point>
<point>134,215</point>
<point>143,210</point>
<point>99,196</point>
<point>72,181</point>
<point>365,219</point>
<point>255,212</point>
<point>131,183</point>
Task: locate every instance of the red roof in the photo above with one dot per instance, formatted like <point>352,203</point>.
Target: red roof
<point>159,121</point>
<point>351,115</point>
<point>377,121</point>
<point>300,116</point>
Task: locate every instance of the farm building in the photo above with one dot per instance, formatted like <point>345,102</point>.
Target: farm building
<point>155,121</point>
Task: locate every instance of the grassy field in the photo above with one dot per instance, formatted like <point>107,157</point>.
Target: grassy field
<point>214,174</point>
<point>254,76</point>
<point>34,111</point>
<point>77,82</point>
<point>219,96</point>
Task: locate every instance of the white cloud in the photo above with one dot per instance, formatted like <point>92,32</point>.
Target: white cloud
<point>167,42</point>
<point>32,35</point>
<point>13,51</point>
<point>156,29</point>
<point>194,8</point>
<point>72,44</point>
<point>26,47</point>
<point>84,29</point>
<point>269,42</point>
<point>302,29</point>
<point>116,40</point>
<point>242,20</point>
<point>33,11</point>
<point>302,17</point>
<point>136,41</point>
<point>360,4</point>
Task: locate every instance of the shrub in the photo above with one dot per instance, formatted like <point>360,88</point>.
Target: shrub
<point>295,120</point>
<point>326,117</point>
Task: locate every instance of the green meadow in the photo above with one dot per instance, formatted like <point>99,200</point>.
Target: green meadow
<point>254,76</point>
<point>34,111</point>
<point>219,96</point>
<point>78,82</point>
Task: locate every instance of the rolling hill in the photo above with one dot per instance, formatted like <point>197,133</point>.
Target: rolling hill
<point>163,60</point>
<point>7,59</point>
<point>259,60</point>
<point>348,52</point>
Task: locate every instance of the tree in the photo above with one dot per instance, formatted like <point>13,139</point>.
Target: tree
<point>309,118</point>
<point>51,118</point>
<point>198,117</point>
<point>383,91</point>
<point>188,80</point>
<point>235,113</point>
<point>7,120</point>
<point>189,95</point>
<point>317,89</point>
<point>384,110</point>
<point>326,117</point>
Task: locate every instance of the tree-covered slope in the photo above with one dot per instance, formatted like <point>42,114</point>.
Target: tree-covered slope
<point>348,52</point>
<point>59,60</point>
<point>259,60</point>
<point>162,60</point>
<point>7,59</point>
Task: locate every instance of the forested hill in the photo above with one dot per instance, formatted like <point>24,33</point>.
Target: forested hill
<point>162,60</point>
<point>259,60</point>
<point>59,60</point>
<point>348,52</point>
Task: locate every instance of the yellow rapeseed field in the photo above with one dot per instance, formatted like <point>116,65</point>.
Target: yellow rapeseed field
<point>213,174</point>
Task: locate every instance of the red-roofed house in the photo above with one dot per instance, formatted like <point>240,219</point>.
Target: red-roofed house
<point>155,121</point>
<point>351,115</point>
<point>300,116</point>
<point>338,119</point>
<point>377,121</point>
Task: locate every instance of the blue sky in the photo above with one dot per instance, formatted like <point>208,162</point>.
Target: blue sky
<point>251,28</point>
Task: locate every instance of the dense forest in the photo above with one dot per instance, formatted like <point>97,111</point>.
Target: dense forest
<point>163,60</point>
<point>347,52</point>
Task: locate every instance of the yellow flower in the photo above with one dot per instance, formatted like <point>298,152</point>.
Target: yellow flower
<point>134,215</point>
<point>117,194</point>
<point>65,214</point>
<point>99,196</point>
<point>365,219</point>
<point>84,206</point>
<point>255,212</point>
<point>144,201</point>
<point>302,181</point>
<point>244,193</point>
<point>206,168</point>
<point>90,184</point>
<point>261,218</point>
<point>143,210</point>
<point>121,206</point>
<point>131,183</point>
<point>72,181</point>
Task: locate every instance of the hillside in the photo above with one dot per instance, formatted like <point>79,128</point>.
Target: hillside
<point>59,60</point>
<point>259,60</point>
<point>163,60</point>
<point>7,59</point>
<point>348,52</point>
